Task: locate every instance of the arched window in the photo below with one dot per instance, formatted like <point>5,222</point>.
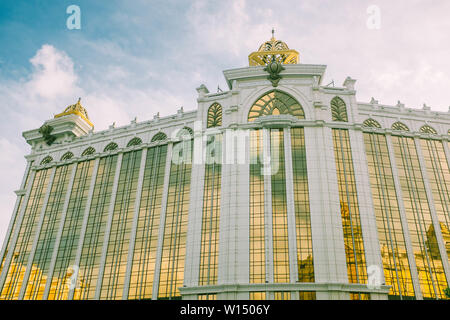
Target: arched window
<point>338,110</point>
<point>275,103</point>
<point>184,132</point>
<point>371,123</point>
<point>46,160</point>
<point>66,156</point>
<point>159,137</point>
<point>111,146</point>
<point>427,129</point>
<point>88,151</point>
<point>134,142</point>
<point>214,116</point>
<point>398,126</point>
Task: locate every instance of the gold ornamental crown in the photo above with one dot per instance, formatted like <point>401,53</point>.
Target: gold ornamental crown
<point>273,48</point>
<point>76,109</point>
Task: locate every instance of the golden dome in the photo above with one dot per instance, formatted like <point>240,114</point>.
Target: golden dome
<point>76,109</point>
<point>273,48</point>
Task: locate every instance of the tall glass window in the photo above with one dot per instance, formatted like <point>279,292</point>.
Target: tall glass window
<point>209,247</point>
<point>351,223</point>
<point>119,237</point>
<point>439,176</point>
<point>95,229</point>
<point>46,242</point>
<point>428,259</point>
<point>65,259</point>
<point>27,232</point>
<point>145,248</point>
<point>302,211</point>
<point>175,227</point>
<point>396,265</point>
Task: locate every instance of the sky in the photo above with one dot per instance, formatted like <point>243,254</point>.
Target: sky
<point>136,58</point>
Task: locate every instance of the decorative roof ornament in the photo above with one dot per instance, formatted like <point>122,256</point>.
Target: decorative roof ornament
<point>273,49</point>
<point>274,68</point>
<point>76,109</point>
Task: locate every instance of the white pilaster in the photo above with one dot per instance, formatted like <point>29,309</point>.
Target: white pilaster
<point>290,205</point>
<point>268,205</point>
<point>330,264</point>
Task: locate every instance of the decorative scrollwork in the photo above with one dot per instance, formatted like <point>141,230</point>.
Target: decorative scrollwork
<point>371,123</point>
<point>160,136</point>
<point>46,160</point>
<point>88,152</point>
<point>134,142</point>
<point>111,146</point>
<point>46,131</point>
<point>275,103</point>
<point>427,129</point>
<point>338,110</point>
<point>398,126</point>
<point>66,156</point>
<point>214,116</point>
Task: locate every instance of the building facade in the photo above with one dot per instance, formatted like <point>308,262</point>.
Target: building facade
<point>279,188</point>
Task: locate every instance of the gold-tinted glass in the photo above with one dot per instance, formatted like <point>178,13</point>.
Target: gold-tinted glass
<point>396,265</point>
<point>27,232</point>
<point>282,295</point>
<point>122,220</point>
<point>307,295</point>
<point>338,110</point>
<point>351,223</point>
<point>279,209</point>
<point>428,260</point>
<point>439,176</point>
<point>209,246</point>
<point>275,103</point>
<point>211,296</point>
<point>95,229</point>
<point>145,248</point>
<point>46,242</point>
<point>302,211</point>
<point>257,233</point>
<point>359,296</point>
<point>214,116</point>
<point>175,228</point>
<point>258,295</point>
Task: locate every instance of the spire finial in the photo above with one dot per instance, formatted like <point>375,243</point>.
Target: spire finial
<point>79,100</point>
<point>273,33</point>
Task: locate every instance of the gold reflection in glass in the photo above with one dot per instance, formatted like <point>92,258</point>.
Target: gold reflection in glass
<point>95,230</point>
<point>258,295</point>
<point>119,238</point>
<point>396,265</point>
<point>307,295</point>
<point>351,224</point>
<point>282,295</point>
<point>275,103</point>
<point>302,210</point>
<point>145,248</point>
<point>439,176</point>
<point>175,227</point>
<point>428,259</point>
<point>27,231</point>
<point>46,242</point>
<point>211,296</point>
<point>209,245</point>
